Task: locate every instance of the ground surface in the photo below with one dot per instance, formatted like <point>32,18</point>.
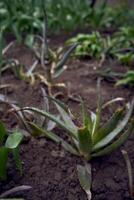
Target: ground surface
<point>47,167</point>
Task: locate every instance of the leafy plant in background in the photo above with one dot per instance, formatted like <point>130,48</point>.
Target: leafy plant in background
<point>9,143</point>
<point>88,44</point>
<point>118,46</point>
<point>91,139</point>
<point>126,58</point>
<point>127,80</point>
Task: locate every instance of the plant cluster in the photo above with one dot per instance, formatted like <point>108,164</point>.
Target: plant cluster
<point>93,137</point>
<point>27,17</point>
<point>94,45</point>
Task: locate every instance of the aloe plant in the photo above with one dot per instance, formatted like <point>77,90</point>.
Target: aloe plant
<point>9,143</point>
<point>92,139</point>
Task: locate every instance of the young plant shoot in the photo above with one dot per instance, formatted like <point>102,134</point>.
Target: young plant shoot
<point>9,143</point>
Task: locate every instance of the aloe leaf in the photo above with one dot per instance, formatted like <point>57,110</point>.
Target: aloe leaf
<point>13,140</point>
<point>87,121</point>
<point>116,144</point>
<point>116,131</point>
<point>96,123</point>
<point>51,117</point>
<point>108,127</point>
<point>3,132</point>
<point>3,162</point>
<point>112,101</point>
<point>85,142</point>
<point>85,179</point>
<point>39,131</point>
<point>60,103</point>
<point>17,159</point>
<point>67,120</point>
<point>60,66</point>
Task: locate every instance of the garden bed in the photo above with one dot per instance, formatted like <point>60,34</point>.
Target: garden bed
<point>48,168</point>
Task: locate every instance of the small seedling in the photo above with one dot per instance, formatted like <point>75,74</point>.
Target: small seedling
<point>9,143</point>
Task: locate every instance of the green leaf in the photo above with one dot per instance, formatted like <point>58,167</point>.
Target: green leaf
<point>39,131</point>
<point>13,140</point>
<point>60,66</point>
<point>85,179</point>
<point>116,131</point>
<point>67,120</point>
<point>85,142</point>
<point>108,127</point>
<point>3,133</point>
<point>3,162</point>
<point>17,159</point>
<point>115,144</point>
<point>51,117</point>
<point>96,123</point>
<point>87,121</point>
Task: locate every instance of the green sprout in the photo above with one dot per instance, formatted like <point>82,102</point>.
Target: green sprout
<point>9,143</point>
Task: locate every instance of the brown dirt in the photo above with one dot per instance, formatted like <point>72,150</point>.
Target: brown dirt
<point>49,169</point>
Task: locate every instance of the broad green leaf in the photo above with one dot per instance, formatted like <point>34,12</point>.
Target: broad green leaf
<point>85,142</point>
<point>3,132</point>
<point>116,144</point>
<point>117,130</point>
<point>13,140</point>
<point>17,159</point>
<point>51,117</point>
<point>108,127</point>
<point>85,179</point>
<point>3,162</point>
